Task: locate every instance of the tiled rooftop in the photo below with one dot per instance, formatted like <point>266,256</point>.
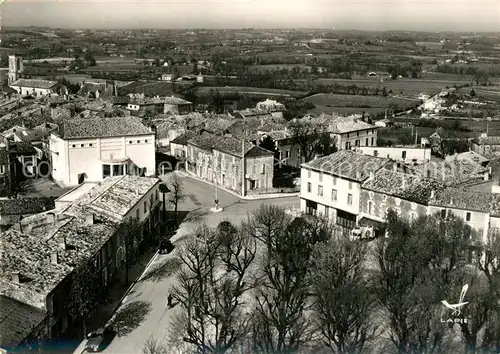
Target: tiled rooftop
<point>227,144</point>
<point>103,127</point>
<point>405,186</point>
<point>462,198</point>
<point>23,206</point>
<point>487,140</point>
<point>454,171</point>
<point>348,164</point>
<point>28,248</point>
<point>114,196</point>
<point>175,101</point>
<point>17,321</point>
<point>29,83</point>
<point>346,125</point>
<point>184,138</point>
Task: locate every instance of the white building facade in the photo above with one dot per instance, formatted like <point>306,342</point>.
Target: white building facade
<point>95,154</point>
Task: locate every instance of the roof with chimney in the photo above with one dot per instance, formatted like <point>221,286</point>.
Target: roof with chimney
<point>402,185</point>
<point>102,127</point>
<point>454,171</point>
<point>228,144</point>
<point>462,198</point>
<point>347,164</point>
<point>43,249</point>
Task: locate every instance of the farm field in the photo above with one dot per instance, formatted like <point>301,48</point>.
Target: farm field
<point>329,103</point>
<point>257,91</point>
<point>412,87</point>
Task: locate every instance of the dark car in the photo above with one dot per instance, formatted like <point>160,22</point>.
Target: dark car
<point>99,340</point>
<point>166,246</point>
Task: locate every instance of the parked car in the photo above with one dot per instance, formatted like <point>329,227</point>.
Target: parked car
<point>166,246</point>
<point>98,340</point>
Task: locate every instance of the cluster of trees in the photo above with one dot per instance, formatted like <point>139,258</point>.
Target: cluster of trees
<point>412,69</point>
<point>275,284</point>
<point>481,76</point>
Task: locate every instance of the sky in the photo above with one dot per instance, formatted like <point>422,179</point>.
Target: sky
<point>419,15</point>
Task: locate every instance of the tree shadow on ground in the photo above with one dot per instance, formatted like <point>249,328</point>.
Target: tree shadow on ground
<point>130,317</point>
<point>162,271</point>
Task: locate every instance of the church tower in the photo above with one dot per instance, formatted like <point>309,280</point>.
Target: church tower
<point>15,67</point>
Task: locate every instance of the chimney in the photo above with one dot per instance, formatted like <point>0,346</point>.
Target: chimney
<point>451,201</point>
<point>372,175</point>
<point>395,167</point>
<point>16,277</point>
<point>137,191</point>
<point>433,194</point>
<point>358,175</point>
<point>54,258</point>
<point>90,219</point>
<point>51,218</point>
<point>62,243</point>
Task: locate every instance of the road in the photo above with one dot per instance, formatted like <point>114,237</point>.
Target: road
<point>148,316</point>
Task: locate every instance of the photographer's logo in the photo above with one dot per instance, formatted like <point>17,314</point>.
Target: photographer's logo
<point>457,308</point>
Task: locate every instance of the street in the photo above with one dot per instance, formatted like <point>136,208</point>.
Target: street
<point>144,313</point>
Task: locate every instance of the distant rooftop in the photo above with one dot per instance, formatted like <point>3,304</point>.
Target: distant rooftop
<point>227,144</point>
<point>102,127</point>
<point>348,164</point>
<point>34,83</point>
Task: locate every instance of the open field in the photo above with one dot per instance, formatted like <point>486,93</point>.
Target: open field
<point>329,103</point>
<point>256,91</point>
<point>411,87</point>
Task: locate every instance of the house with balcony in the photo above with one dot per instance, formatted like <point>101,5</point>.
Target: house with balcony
<point>331,185</point>
<point>41,252</point>
<point>96,148</point>
<point>220,160</point>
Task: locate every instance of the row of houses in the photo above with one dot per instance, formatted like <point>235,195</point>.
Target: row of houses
<point>356,190</point>
<point>41,253</point>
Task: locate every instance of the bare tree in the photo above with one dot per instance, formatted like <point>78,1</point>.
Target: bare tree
<point>176,194</point>
<point>311,137</point>
<point>343,297</point>
<point>211,289</point>
<point>279,321</point>
<point>153,346</point>
<point>404,291</point>
<point>130,235</point>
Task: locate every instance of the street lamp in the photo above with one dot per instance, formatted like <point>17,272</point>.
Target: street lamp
<point>164,190</point>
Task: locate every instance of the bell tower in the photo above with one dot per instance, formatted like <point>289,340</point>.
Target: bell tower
<point>15,67</point>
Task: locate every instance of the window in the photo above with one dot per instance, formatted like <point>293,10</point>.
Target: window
<point>298,152</point>
<point>263,168</point>
<point>73,146</point>
<point>137,214</point>
<point>334,195</point>
<point>375,153</point>
<point>350,185</point>
<point>467,216</point>
<point>347,135</point>
<point>334,181</point>
<point>370,207</point>
<point>287,154</point>
<point>90,145</point>
<point>320,191</point>
<point>372,142</point>
<point>146,140</point>
<point>145,207</point>
<point>309,187</point>
<point>308,173</point>
<point>2,169</point>
<point>356,143</point>
<point>157,194</point>
<point>403,155</point>
<point>138,141</point>
<point>366,142</point>
<point>443,213</point>
<point>82,145</point>
<point>428,174</point>
<point>357,133</point>
<point>106,171</point>
<point>151,199</point>
<point>321,176</point>
<point>349,199</point>
<point>130,142</point>
<point>118,170</point>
